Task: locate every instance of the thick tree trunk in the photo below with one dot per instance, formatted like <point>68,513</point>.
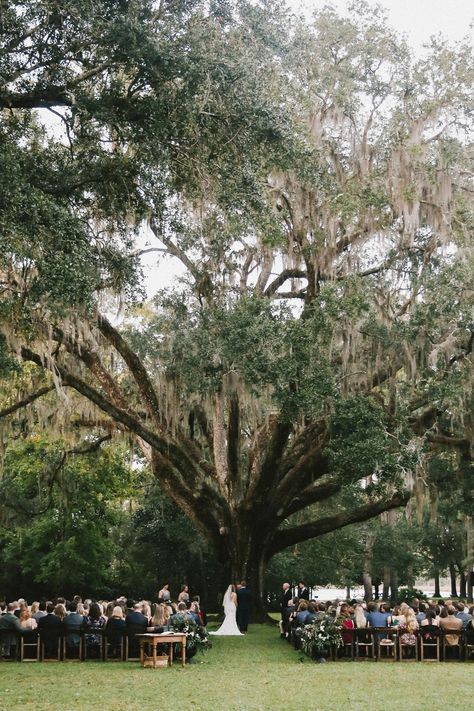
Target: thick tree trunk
<point>393,585</point>
<point>437,588</point>
<point>367,571</point>
<point>386,583</point>
<point>462,584</point>
<point>452,575</point>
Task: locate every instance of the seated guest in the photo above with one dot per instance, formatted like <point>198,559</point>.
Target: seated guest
<point>346,622</point>
<point>377,616</point>
<point>462,614</point>
<point>10,637</point>
<point>73,623</point>
<point>311,616</point>
<point>135,623</point>
<point>92,623</point>
<point>159,621</point>
<point>50,627</point>
<point>27,622</point>
<point>451,623</point>
<point>301,613</point>
<point>408,626</point>
<point>202,614</point>
<point>194,612</point>
<point>60,611</point>
<point>40,611</point>
<point>114,630</point>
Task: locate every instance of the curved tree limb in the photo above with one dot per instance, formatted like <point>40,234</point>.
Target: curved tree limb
<point>313,529</point>
<point>26,401</point>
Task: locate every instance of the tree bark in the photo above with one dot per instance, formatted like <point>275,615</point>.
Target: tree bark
<point>452,575</point>
<point>437,588</point>
<point>393,585</point>
<point>386,583</point>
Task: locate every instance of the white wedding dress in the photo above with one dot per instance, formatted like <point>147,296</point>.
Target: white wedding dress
<point>229,627</point>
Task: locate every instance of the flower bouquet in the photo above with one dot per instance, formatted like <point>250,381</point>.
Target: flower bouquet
<point>196,635</point>
<point>318,637</point>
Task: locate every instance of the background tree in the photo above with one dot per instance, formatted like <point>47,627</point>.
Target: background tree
<point>317,192</point>
<point>60,507</point>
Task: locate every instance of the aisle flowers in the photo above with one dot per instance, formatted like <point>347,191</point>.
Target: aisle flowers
<point>320,636</point>
<point>196,635</point>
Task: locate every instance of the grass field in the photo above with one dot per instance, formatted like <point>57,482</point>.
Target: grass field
<point>258,672</point>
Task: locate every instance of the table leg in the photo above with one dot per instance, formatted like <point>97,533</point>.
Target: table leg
<point>170,659</point>
<point>142,652</point>
<point>183,653</point>
<point>155,643</point>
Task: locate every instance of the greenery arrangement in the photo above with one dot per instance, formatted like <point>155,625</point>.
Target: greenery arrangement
<point>320,636</point>
<point>197,638</point>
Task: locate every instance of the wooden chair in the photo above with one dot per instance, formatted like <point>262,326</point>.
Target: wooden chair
<point>73,644</point>
<point>90,649</point>
<point>430,643</point>
<point>114,645</point>
<point>468,639</point>
<point>132,645</point>
<point>347,651</point>
<point>10,645</point>
<point>364,644</point>
<point>451,652</point>
<point>30,647</point>
<point>386,641</point>
<point>50,642</point>
<point>407,652</point>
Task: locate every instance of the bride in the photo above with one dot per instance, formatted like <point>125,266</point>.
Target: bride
<point>229,626</point>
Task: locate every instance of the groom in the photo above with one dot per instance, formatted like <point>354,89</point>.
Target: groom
<point>244,602</point>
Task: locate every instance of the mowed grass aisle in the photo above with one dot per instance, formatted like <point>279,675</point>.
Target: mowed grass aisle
<point>258,672</point>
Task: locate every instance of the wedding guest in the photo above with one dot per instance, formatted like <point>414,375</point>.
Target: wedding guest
<point>303,591</point>
<point>94,622</point>
<point>160,620</point>
<point>462,614</point>
<point>184,594</point>
<point>451,623</point>
<point>114,631</point>
<point>41,611</point>
<point>27,622</point>
<point>164,594</point>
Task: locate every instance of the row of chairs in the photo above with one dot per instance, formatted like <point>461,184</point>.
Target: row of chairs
<point>71,645</point>
<point>377,643</point>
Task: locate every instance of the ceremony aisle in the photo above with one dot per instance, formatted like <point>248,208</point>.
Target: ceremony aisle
<point>257,672</point>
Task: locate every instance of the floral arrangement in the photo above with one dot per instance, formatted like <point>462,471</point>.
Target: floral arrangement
<point>322,634</point>
<point>196,635</point>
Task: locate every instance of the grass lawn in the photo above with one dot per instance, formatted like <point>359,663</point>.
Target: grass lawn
<point>258,672</point>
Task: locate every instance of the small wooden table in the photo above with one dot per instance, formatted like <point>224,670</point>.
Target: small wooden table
<point>162,638</point>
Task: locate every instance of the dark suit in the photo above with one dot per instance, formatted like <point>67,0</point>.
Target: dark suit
<point>10,629</point>
<point>244,603</point>
<point>50,628</point>
<point>284,600</point>
<point>303,593</point>
<point>135,623</point>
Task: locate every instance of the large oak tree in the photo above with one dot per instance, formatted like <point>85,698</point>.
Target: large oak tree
<point>314,185</point>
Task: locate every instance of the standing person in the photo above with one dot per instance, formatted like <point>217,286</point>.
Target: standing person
<point>284,600</point>
<point>303,591</point>
<point>229,626</point>
<point>244,603</point>
<point>164,593</point>
<point>184,594</point>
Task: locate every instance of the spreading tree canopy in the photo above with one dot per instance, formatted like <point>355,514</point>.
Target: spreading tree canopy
<point>313,182</point>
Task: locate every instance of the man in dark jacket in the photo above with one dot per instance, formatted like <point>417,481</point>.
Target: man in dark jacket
<point>11,629</point>
<point>244,603</point>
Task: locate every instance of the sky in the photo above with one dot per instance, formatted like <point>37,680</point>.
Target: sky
<point>418,19</point>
